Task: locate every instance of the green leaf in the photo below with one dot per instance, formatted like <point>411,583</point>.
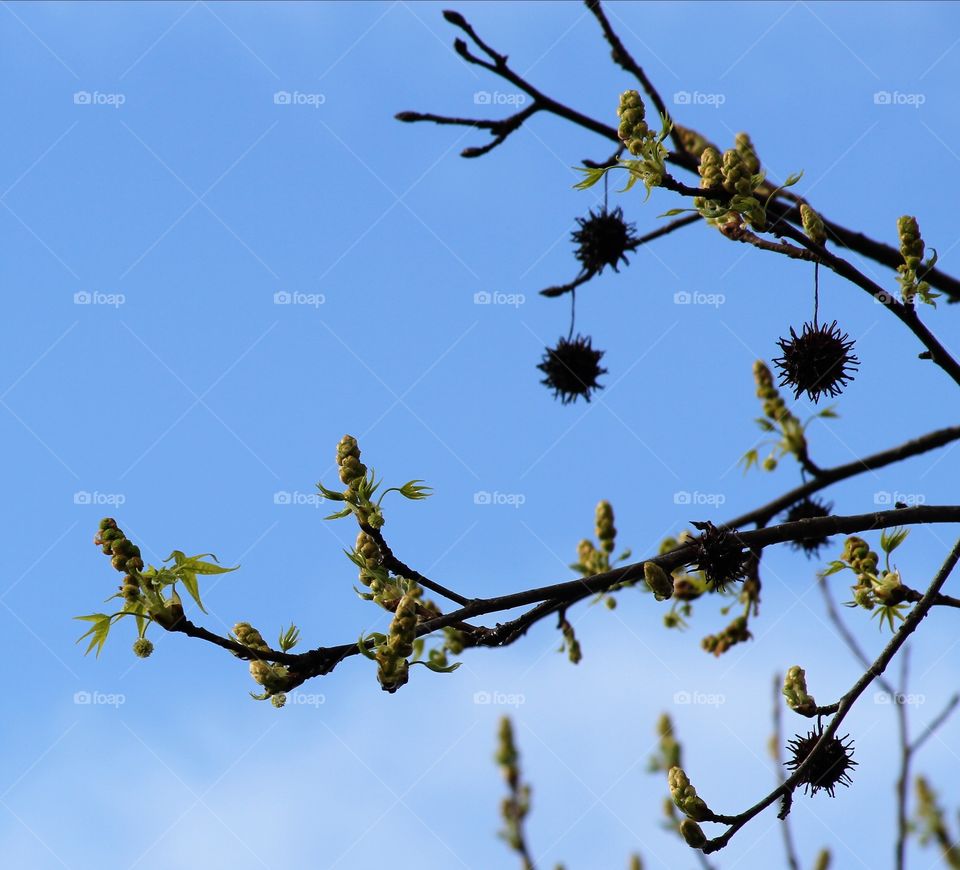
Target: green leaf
<point>765,424</point>
<point>329,493</point>
<point>890,539</point>
<point>793,178</point>
<point>833,568</point>
<point>97,632</point>
<point>750,458</point>
<point>828,412</point>
<point>198,566</point>
<point>339,514</point>
<point>438,669</point>
<point>189,580</point>
<point>591,176</point>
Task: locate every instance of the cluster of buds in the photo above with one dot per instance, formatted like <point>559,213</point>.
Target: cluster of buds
<point>661,585</point>
<point>570,642</point>
<point>792,439</point>
<point>711,177</point>
<point>275,679</point>
<point>748,154</point>
<point>352,470</point>
<point>795,691</point>
<point>932,826</point>
<point>393,669</point>
<point>633,130</point>
<point>736,632</point>
<point>605,530</point>
<point>685,796</point>
<point>668,747</point>
<point>912,250</point>
<point>880,588</point>
<point>125,557</point>
<point>367,557</point>
<point>246,634</point>
<point>693,142</point>
<point>813,225</point>
<point>516,805</point>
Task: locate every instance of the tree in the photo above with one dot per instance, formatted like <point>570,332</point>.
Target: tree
<point>734,196</point>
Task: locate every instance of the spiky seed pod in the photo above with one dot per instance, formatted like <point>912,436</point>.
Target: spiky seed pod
<point>813,225</point>
<point>603,240</point>
<point>817,361</point>
<point>572,369</point>
<point>809,509</point>
<point>829,769</point>
<point>719,553</point>
<point>747,152</point>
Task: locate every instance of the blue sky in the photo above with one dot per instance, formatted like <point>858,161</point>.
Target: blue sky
<point>180,198</point>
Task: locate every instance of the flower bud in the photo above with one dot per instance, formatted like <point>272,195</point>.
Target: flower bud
<point>142,647</point>
<point>692,833</point>
<point>661,585</point>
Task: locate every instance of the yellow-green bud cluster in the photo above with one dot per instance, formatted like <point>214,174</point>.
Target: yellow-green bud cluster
<point>633,130</point>
<point>125,557</point>
<point>911,243</point>
<point>660,583</point>
<point>711,174</point>
<point>858,555</point>
<point>369,557</point>
<point>736,632</point>
<point>392,666</point>
<point>605,530</point>
<point>352,470</point>
<point>670,749</point>
<point>507,756</point>
<point>692,834</point>
<point>745,149</point>
<point>693,142</point>
<point>795,691</point>
<point>775,409</point>
<point>570,642</point>
<point>142,648</point>
<point>813,225</point>
<point>249,636</point>
<point>931,826</point>
<point>736,174</point>
<point>515,806</point>
<point>275,679</point>
<point>685,796</point>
